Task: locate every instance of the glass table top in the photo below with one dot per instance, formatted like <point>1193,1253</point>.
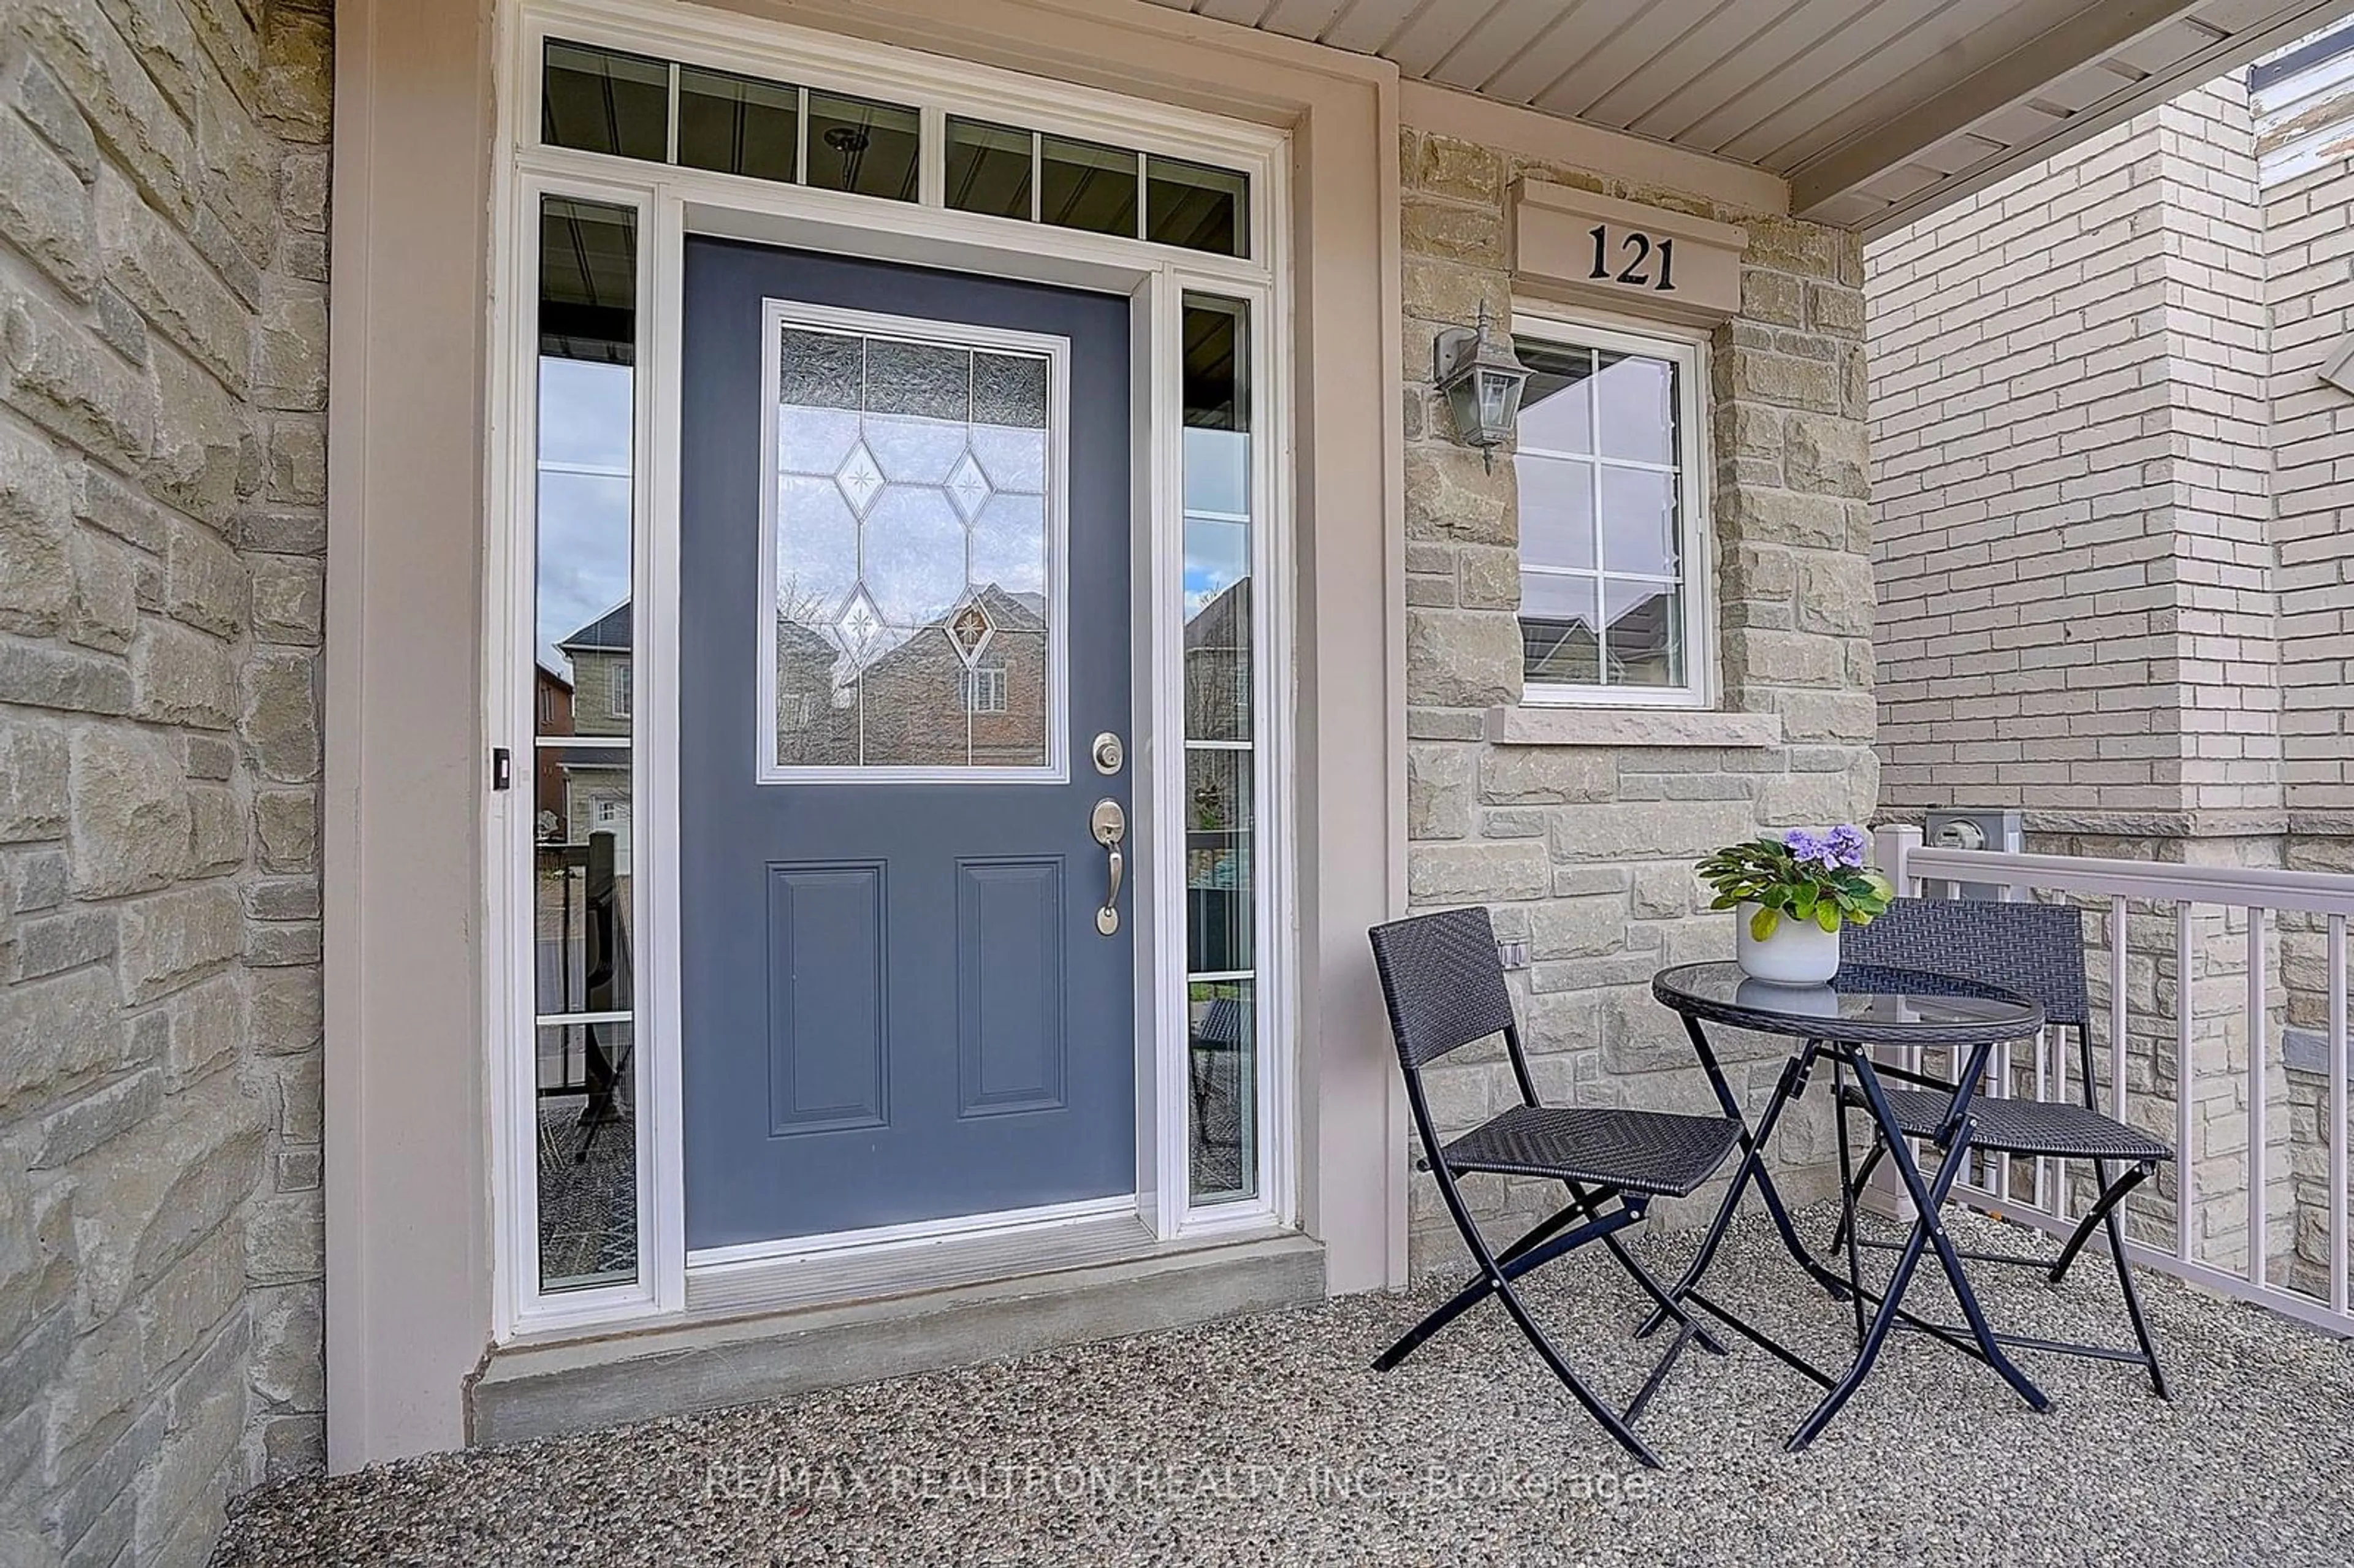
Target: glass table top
<point>1863,1002</point>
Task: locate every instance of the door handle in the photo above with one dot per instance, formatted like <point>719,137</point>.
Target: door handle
<point>1109,824</point>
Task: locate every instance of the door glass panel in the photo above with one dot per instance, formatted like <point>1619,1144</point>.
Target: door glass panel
<point>601,100</point>
<point>1636,397</point>
<point>1084,184</point>
<point>1218,842</point>
<point>913,553</point>
<point>1560,637</point>
<point>585,1140</point>
<point>584,926</point>
<point>1556,507</point>
<point>858,145</point>
<point>1638,522</point>
<point>737,125</point>
<point>1222,1083</point>
<point>988,168</point>
<point>588,388</point>
<point>1221,800</point>
<point>584,696</point>
<point>1197,206</point>
<point>1645,638</point>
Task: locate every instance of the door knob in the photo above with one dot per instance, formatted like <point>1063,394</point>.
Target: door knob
<point>1109,824</point>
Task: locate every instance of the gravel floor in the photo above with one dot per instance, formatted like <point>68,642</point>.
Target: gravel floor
<point>1268,1442</point>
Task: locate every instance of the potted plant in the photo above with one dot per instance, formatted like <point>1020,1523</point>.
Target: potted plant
<point>1792,894</point>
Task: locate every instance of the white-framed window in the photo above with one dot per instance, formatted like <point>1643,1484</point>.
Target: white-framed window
<point>624,689</point>
<point>984,690</point>
<point>1613,516</point>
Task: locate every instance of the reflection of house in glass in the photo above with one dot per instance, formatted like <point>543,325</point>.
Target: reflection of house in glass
<point>596,779</point>
<point>968,689</point>
<point>1642,648</point>
<point>1218,782</point>
<point>551,697</point>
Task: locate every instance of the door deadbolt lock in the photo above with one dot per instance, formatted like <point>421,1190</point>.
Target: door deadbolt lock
<point>1109,826</point>
<point>1109,753</point>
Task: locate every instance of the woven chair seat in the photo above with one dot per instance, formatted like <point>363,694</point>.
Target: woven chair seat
<point>2050,1128</point>
<point>1656,1152</point>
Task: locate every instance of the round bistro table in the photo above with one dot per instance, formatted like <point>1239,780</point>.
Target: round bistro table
<point>1863,1006</point>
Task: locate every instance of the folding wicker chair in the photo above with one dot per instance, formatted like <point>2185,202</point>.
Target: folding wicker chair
<point>1445,986</point>
<point>2037,950</point>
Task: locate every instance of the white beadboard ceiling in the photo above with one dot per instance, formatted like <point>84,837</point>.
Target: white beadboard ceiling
<point>1877,111</point>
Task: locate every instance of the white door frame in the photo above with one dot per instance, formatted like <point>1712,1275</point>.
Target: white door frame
<point>672,202</point>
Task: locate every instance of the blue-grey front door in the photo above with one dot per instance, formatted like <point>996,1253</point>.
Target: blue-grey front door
<point>905,620</point>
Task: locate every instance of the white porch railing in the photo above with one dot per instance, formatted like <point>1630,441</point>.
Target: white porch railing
<point>2224,1083</point>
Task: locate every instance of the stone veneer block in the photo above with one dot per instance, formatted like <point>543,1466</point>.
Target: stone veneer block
<point>1617,727</point>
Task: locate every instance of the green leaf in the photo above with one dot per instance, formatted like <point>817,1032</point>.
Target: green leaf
<point>1829,917</point>
<point>1763,923</point>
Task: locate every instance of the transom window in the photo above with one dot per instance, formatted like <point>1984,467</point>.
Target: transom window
<point>636,106</point>
<point>1612,526</point>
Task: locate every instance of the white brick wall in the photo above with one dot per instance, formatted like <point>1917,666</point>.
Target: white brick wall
<point>2069,483</point>
<point>2309,225</point>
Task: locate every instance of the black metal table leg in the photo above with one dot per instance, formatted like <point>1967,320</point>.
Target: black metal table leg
<point>1752,1169</point>
<point>1929,1200</point>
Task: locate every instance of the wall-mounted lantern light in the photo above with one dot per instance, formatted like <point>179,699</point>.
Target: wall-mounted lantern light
<point>1482,378</point>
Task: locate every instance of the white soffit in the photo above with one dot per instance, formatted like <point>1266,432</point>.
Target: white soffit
<point>1877,111</point>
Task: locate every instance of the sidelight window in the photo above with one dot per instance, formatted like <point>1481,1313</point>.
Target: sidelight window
<point>583,934</point>
<point>1220,799</point>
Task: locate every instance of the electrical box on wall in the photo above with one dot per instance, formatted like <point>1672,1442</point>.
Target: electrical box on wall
<point>2003,833</point>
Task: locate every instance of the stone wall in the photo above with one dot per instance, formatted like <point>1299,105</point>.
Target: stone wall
<point>1585,845</point>
<point>163,286</point>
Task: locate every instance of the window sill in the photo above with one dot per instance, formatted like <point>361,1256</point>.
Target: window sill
<point>1632,727</point>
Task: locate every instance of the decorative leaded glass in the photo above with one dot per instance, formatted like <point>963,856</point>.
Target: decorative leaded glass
<point>912,550</point>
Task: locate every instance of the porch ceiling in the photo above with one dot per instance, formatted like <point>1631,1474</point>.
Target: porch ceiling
<point>1876,112</point>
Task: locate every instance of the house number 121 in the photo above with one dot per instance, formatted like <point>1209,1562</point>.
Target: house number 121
<point>1636,248</point>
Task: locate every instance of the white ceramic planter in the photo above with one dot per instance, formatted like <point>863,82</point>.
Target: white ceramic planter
<point>1790,1001</point>
<point>1799,952</point>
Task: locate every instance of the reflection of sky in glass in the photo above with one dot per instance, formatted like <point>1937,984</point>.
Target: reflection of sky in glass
<point>1217,480</point>
<point>1217,556</point>
<point>584,518</point>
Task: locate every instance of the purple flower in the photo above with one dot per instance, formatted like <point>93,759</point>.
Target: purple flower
<point>1809,847</point>
<point>1845,846</point>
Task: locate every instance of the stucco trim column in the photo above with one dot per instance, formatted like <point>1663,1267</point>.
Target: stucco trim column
<point>407,1177</point>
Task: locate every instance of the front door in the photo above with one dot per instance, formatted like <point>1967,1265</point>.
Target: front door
<point>908,991</point>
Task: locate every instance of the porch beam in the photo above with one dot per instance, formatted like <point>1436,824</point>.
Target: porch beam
<point>2091,34</point>
<point>2015,77</point>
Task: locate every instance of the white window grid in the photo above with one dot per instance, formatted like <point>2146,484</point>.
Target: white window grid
<point>1693,543</point>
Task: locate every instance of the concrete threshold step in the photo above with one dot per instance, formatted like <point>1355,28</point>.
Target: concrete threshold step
<point>540,1390</point>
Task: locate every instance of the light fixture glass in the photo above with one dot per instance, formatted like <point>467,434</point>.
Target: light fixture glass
<point>1483,379</point>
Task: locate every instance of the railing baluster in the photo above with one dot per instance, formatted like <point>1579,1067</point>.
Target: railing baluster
<point>2183,1181</point>
<point>2117,1014</point>
<point>2042,1092</point>
<point>2338,1113</point>
<point>2256,1054</point>
<point>1999,1168</point>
